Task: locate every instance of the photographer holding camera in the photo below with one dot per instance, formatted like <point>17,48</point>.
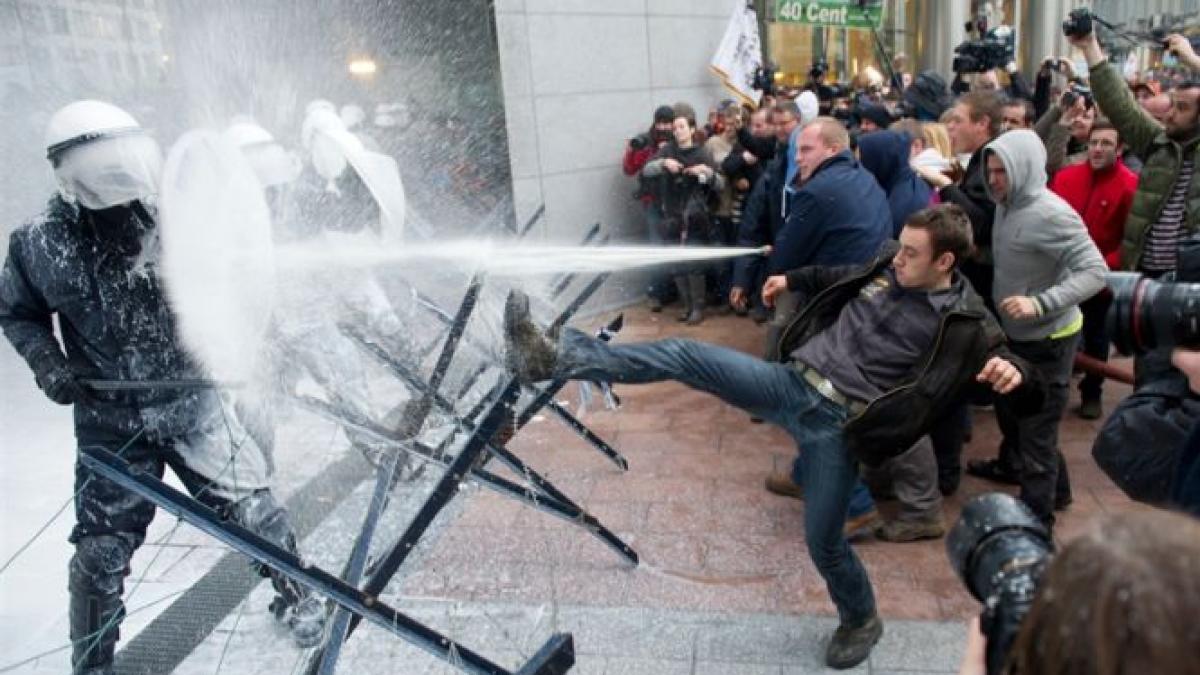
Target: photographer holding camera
<point>638,151</point>
<point>1141,442</point>
<point>1065,128</point>
<point>1120,598</point>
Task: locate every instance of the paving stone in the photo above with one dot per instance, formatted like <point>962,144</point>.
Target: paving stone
<point>914,645</point>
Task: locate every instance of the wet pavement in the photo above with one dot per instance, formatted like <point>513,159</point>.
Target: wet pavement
<point>713,542</point>
<point>724,584</point>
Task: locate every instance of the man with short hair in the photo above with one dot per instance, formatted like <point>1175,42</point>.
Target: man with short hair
<point>973,122</point>
<point>1046,264</point>
<point>1101,192</point>
<point>762,216</point>
<point>1017,113</point>
<point>845,390</point>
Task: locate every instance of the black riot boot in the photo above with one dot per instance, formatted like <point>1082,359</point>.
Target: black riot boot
<point>95,581</point>
<point>294,606</point>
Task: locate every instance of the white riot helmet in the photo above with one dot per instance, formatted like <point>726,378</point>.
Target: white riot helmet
<point>271,162</point>
<point>101,155</point>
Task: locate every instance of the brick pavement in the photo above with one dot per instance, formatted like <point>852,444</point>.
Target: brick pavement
<point>693,506</point>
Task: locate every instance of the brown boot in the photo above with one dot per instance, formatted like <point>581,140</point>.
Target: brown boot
<point>860,525</point>
<point>529,352</point>
<point>780,483</point>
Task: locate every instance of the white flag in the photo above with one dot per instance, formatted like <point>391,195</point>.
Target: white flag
<point>740,53</point>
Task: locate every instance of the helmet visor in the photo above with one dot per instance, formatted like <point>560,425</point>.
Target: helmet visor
<point>111,171</point>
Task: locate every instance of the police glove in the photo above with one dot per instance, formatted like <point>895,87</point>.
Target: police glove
<point>56,379</point>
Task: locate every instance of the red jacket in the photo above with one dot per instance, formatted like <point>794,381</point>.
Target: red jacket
<point>1102,199</point>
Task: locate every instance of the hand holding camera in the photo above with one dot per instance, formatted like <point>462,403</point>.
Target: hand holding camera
<point>1182,48</point>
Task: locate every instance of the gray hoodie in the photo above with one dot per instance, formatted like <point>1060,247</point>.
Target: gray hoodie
<point>1040,244</point>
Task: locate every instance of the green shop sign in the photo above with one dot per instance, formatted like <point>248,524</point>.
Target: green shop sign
<point>836,13</point>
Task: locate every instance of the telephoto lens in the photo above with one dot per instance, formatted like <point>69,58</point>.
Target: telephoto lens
<point>1148,314</point>
<point>999,549</point>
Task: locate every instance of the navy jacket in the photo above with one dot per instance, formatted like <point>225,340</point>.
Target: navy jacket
<point>840,216</point>
<point>115,319</point>
<point>885,155</point>
<point>762,219</point>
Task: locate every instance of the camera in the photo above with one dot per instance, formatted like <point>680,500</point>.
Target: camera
<point>995,49</point>
<point>999,550</point>
<point>1077,91</point>
<point>640,142</point>
<point>1147,314</point>
<point>764,79</point>
<point>1078,23</point>
<point>819,68</point>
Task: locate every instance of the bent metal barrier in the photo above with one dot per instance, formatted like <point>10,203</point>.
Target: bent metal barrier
<point>356,599</point>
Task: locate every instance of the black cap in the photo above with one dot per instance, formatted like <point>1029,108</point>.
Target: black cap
<point>664,113</point>
<point>877,114</point>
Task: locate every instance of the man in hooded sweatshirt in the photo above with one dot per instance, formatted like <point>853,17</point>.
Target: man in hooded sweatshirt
<point>1046,264</point>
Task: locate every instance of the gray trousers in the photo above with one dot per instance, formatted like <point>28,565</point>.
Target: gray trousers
<point>914,477</point>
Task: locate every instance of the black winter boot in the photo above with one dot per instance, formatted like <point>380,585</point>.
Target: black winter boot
<point>96,580</point>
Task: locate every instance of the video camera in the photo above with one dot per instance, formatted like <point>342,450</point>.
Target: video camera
<point>999,550</point>
<point>764,79</point>
<point>1148,314</point>
<point>994,48</point>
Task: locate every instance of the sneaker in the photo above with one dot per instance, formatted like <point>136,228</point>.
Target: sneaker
<point>851,646</point>
<point>529,353</point>
<point>910,530</point>
<point>1090,409</point>
<point>993,470</point>
<point>780,483</point>
<point>654,303</point>
<point>857,526</point>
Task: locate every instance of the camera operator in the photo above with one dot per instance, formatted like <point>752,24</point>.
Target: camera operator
<point>1065,128</point>
<point>638,151</point>
<point>1164,208</point>
<point>1120,598</point>
<point>1185,489</point>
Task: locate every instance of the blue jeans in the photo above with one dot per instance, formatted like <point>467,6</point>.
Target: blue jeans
<point>776,393</point>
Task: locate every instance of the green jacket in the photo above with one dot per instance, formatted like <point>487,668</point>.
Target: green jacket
<point>1163,156</point>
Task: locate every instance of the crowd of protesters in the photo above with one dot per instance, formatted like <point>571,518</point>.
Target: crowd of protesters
<point>1062,181</point>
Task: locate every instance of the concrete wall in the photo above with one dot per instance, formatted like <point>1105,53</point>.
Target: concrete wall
<point>581,77</point>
